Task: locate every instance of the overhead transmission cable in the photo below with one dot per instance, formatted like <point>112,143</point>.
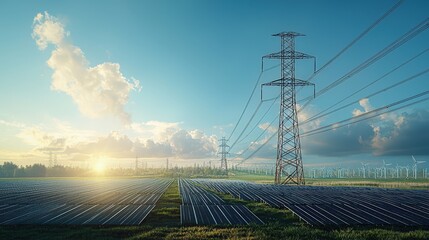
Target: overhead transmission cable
<point>247,125</point>
<point>247,104</point>
<point>323,114</point>
<point>368,115</point>
<point>393,8</point>
<point>376,115</point>
<point>251,118</point>
<point>262,118</point>
<point>250,97</point>
<point>259,148</point>
<point>257,138</point>
<point>397,43</point>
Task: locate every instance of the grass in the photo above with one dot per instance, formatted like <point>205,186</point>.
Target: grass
<point>358,182</point>
<point>164,223</point>
<point>167,209</point>
<point>383,183</point>
<point>239,175</point>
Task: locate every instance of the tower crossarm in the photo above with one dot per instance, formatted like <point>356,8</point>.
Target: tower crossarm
<point>288,55</point>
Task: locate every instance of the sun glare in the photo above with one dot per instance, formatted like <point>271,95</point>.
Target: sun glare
<point>100,167</point>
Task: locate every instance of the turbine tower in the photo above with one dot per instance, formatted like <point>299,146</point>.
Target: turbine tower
<point>415,166</point>
<point>364,167</point>
<point>384,168</point>
<point>289,159</point>
<point>223,152</point>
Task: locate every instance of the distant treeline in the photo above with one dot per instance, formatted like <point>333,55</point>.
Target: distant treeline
<point>11,170</point>
<point>194,172</point>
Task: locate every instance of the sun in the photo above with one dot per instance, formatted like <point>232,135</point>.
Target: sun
<point>100,167</point>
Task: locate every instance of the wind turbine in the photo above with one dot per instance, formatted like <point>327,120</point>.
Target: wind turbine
<point>363,168</point>
<point>415,166</point>
<point>384,168</point>
<point>397,170</point>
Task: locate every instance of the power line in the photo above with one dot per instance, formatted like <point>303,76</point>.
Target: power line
<point>251,95</point>
<point>360,120</point>
<point>372,114</point>
<point>260,120</point>
<point>319,115</point>
<point>247,124</point>
<point>397,43</point>
<point>257,138</point>
<point>394,7</point>
<point>257,150</point>
<point>247,104</point>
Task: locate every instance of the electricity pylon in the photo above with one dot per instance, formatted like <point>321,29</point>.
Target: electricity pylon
<point>223,152</point>
<point>289,159</point>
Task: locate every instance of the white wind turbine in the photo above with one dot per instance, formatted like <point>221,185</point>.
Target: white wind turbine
<point>384,168</point>
<point>415,166</point>
<point>397,170</point>
<point>364,169</point>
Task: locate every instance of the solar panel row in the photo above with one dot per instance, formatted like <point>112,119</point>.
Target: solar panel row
<point>335,205</point>
<point>201,207</point>
<point>100,202</point>
<point>74,214</point>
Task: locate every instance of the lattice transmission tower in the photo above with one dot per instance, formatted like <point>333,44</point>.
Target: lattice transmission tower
<point>223,152</point>
<point>289,159</point>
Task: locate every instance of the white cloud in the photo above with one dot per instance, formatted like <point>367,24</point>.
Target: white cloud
<point>158,131</point>
<point>12,124</point>
<point>364,103</point>
<point>163,140</point>
<point>47,29</point>
<point>181,144</point>
<point>42,141</point>
<point>98,91</point>
<point>270,129</point>
<point>193,144</point>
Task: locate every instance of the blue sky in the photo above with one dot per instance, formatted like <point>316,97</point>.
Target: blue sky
<point>196,63</point>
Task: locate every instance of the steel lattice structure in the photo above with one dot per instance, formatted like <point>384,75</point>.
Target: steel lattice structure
<point>289,159</point>
<point>223,152</point>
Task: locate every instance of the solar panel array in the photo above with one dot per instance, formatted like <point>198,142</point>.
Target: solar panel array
<point>200,207</point>
<point>335,205</point>
<point>96,201</point>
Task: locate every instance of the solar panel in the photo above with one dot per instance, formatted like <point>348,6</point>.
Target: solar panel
<point>201,207</point>
<point>98,202</point>
<point>335,205</point>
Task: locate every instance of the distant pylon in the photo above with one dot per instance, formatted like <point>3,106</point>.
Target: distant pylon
<point>50,159</point>
<point>137,164</point>
<point>289,160</point>
<point>223,152</point>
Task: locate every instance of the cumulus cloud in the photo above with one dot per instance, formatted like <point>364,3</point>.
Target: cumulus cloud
<point>153,139</point>
<point>270,129</point>
<point>407,134</point>
<point>364,103</point>
<point>159,131</point>
<point>98,91</point>
<point>114,145</point>
<point>12,123</point>
<point>193,144</point>
<point>180,144</point>
<point>388,134</point>
<point>47,29</point>
<point>350,140</point>
<point>42,140</point>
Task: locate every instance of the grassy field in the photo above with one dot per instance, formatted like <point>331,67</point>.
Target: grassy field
<point>359,182</point>
<point>164,223</point>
